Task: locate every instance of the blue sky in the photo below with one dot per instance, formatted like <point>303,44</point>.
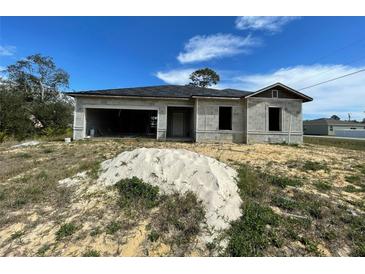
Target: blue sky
<point>248,52</point>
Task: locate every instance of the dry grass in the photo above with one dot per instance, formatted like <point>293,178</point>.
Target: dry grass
<point>33,206</point>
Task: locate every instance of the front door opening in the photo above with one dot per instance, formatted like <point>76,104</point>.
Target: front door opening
<point>179,122</point>
<point>121,123</point>
<point>274,119</point>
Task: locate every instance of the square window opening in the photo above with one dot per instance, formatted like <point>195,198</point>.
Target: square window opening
<point>274,119</point>
<point>275,93</point>
<point>225,118</point>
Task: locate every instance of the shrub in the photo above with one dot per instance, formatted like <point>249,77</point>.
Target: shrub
<point>65,230</point>
<point>135,193</point>
<point>249,235</point>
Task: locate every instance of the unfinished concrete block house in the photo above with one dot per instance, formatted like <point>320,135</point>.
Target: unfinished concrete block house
<point>272,114</point>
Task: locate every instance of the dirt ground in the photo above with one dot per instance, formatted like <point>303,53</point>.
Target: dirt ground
<point>34,206</point>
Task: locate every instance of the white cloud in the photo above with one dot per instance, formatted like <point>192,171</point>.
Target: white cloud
<point>269,23</point>
<point>175,77</point>
<point>7,50</point>
<point>338,97</point>
<point>207,47</point>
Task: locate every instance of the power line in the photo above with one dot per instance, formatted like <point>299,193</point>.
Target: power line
<point>328,71</point>
<point>333,79</point>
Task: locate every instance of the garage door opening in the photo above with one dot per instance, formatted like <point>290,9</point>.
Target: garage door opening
<point>121,123</point>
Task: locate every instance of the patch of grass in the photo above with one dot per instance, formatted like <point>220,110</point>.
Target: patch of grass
<point>92,168</point>
<point>310,246</point>
<point>65,230</point>
<point>47,150</point>
<point>353,189</point>
<point>334,142</point>
<point>43,250</point>
<point>91,253</point>
<point>95,231</point>
<point>23,155</point>
<point>16,235</point>
<point>322,186</point>
<point>285,181</point>
<point>314,166</point>
<point>354,179</point>
<point>357,235</point>
<point>284,203</point>
<point>249,182</point>
<point>178,220</point>
<point>113,227</point>
<point>361,168</point>
<point>136,194</point>
<point>249,235</point>
<point>153,236</point>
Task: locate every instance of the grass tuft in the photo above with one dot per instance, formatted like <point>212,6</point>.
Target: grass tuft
<point>322,186</point>
<point>65,230</point>
<point>134,193</point>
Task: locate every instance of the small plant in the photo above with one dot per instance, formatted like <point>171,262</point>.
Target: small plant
<point>92,168</point>
<point>353,179</point>
<point>314,166</point>
<point>322,186</point>
<point>17,235</point>
<point>91,253</point>
<point>153,236</point>
<point>113,227</point>
<point>136,193</point>
<point>43,250</point>
<point>284,203</point>
<point>310,246</point>
<point>352,189</point>
<point>95,231</point>
<point>285,181</point>
<point>65,230</point>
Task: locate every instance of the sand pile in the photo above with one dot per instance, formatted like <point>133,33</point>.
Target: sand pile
<point>180,170</point>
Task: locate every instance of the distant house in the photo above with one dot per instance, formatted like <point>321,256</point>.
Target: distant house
<point>171,112</point>
<point>333,127</point>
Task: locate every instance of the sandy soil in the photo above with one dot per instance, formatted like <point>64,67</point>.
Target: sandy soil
<point>93,206</point>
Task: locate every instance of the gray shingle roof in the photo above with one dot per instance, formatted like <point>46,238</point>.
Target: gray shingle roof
<point>166,91</point>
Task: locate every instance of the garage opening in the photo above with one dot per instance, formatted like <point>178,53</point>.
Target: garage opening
<point>274,119</point>
<point>121,123</point>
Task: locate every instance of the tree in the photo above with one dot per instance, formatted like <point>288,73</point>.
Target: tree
<point>31,101</point>
<point>204,78</point>
<point>335,117</point>
<point>38,77</point>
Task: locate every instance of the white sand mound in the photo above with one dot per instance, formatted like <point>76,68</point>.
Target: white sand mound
<point>180,170</point>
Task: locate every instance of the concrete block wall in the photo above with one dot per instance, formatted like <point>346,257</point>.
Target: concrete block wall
<point>258,120</point>
<point>207,121</point>
<point>82,103</point>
